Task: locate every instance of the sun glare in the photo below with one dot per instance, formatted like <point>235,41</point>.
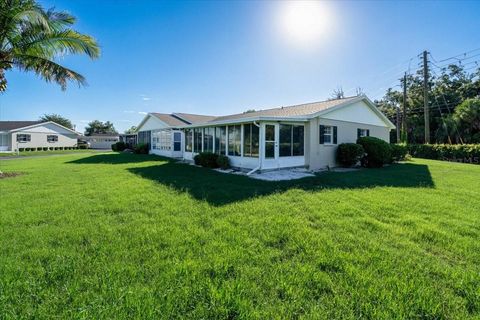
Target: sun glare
<point>304,23</point>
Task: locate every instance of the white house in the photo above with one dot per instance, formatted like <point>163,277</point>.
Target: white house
<point>15,135</point>
<point>304,135</point>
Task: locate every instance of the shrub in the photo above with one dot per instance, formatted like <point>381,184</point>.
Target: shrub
<point>399,151</point>
<point>21,149</point>
<point>206,159</point>
<point>349,154</point>
<point>377,152</point>
<point>119,146</point>
<point>142,148</point>
<point>223,162</point>
<point>45,148</point>
<point>50,148</point>
<point>82,146</point>
<point>450,152</point>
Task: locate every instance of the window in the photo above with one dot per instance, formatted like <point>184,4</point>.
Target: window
<point>234,133</point>
<point>328,134</point>
<point>250,140</point>
<point>52,138</point>
<point>144,137</point>
<point>177,141</point>
<point>197,140</point>
<point>269,141</point>
<point>188,140</point>
<point>208,139</point>
<point>162,140</point>
<point>363,133</point>
<point>23,138</point>
<point>220,140</point>
<point>291,140</point>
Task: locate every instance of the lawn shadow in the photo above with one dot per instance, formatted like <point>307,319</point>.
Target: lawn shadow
<point>220,188</point>
<point>119,158</point>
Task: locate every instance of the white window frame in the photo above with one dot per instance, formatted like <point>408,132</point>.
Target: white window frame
<point>363,132</point>
<point>27,138</point>
<point>330,134</point>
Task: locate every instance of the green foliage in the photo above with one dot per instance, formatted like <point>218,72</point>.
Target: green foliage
<point>206,159</point>
<point>141,148</point>
<point>45,149</point>
<point>377,152</point>
<point>121,236</point>
<point>57,119</point>
<point>119,146</point>
<point>99,127</point>
<point>464,152</point>
<point>21,149</point>
<point>467,118</point>
<point>223,162</point>
<point>131,130</point>
<point>399,151</point>
<point>33,39</point>
<point>349,154</point>
<point>83,146</point>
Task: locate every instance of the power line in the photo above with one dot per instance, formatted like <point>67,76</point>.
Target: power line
<point>458,55</point>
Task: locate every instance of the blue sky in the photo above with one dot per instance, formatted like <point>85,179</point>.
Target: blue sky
<point>224,57</point>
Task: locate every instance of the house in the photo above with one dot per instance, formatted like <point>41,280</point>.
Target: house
<point>304,135</point>
<point>129,138</point>
<point>164,132</point>
<point>102,140</point>
<point>18,135</point>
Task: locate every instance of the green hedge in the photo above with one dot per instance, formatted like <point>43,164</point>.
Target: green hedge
<point>450,152</point>
<point>349,154</point>
<point>378,152</point>
<point>211,160</point>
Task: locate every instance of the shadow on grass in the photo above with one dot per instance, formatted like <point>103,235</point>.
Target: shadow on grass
<point>220,188</point>
<point>119,158</point>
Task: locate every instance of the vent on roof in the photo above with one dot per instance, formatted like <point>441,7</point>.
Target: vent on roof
<point>181,119</point>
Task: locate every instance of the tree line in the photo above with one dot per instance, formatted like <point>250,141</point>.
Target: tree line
<point>453,102</point>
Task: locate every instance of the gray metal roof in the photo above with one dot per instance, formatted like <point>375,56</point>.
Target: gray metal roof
<point>12,125</point>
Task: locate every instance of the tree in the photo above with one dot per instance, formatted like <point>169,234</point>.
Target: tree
<point>131,130</point>
<point>32,39</point>
<point>57,119</point>
<point>99,127</point>
<point>467,118</point>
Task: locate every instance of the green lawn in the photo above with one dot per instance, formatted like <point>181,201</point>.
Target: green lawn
<point>129,236</point>
<point>43,153</point>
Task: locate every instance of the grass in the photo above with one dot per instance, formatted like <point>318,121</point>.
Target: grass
<point>132,236</point>
<point>43,153</point>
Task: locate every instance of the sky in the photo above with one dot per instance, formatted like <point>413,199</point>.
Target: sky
<point>224,57</point>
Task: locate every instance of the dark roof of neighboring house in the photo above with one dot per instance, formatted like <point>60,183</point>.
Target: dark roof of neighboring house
<point>12,125</point>
<point>289,111</point>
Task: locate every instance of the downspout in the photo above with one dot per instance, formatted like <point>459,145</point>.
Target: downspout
<point>259,156</point>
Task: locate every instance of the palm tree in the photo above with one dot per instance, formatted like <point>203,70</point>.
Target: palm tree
<point>32,39</point>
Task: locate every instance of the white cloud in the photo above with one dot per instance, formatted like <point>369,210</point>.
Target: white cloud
<point>145,97</point>
<point>128,111</point>
<point>143,112</point>
<point>85,121</point>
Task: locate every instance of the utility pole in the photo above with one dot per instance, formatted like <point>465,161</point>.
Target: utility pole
<point>404,113</point>
<point>398,124</point>
<point>425,97</point>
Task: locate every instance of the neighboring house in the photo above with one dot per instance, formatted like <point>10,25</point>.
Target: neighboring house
<point>102,140</point>
<point>16,135</point>
<point>304,135</point>
<point>164,133</point>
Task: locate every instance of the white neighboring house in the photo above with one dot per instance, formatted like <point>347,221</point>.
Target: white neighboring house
<point>16,135</point>
<point>305,135</point>
<point>102,140</point>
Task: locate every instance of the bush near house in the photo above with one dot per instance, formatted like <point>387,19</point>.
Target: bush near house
<point>453,152</point>
<point>349,154</point>
<point>141,148</point>
<point>223,162</point>
<point>378,152</point>
<point>399,151</point>
<point>119,146</point>
<point>211,160</point>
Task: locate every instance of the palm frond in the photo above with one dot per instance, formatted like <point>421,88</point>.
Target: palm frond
<point>48,70</point>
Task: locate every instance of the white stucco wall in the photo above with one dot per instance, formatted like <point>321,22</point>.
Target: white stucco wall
<point>38,137</point>
<point>323,155</point>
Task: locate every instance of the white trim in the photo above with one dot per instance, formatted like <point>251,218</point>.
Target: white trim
<point>41,124</point>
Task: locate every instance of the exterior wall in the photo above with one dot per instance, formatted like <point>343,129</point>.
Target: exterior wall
<point>322,155</point>
<point>102,142</point>
<point>38,137</point>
